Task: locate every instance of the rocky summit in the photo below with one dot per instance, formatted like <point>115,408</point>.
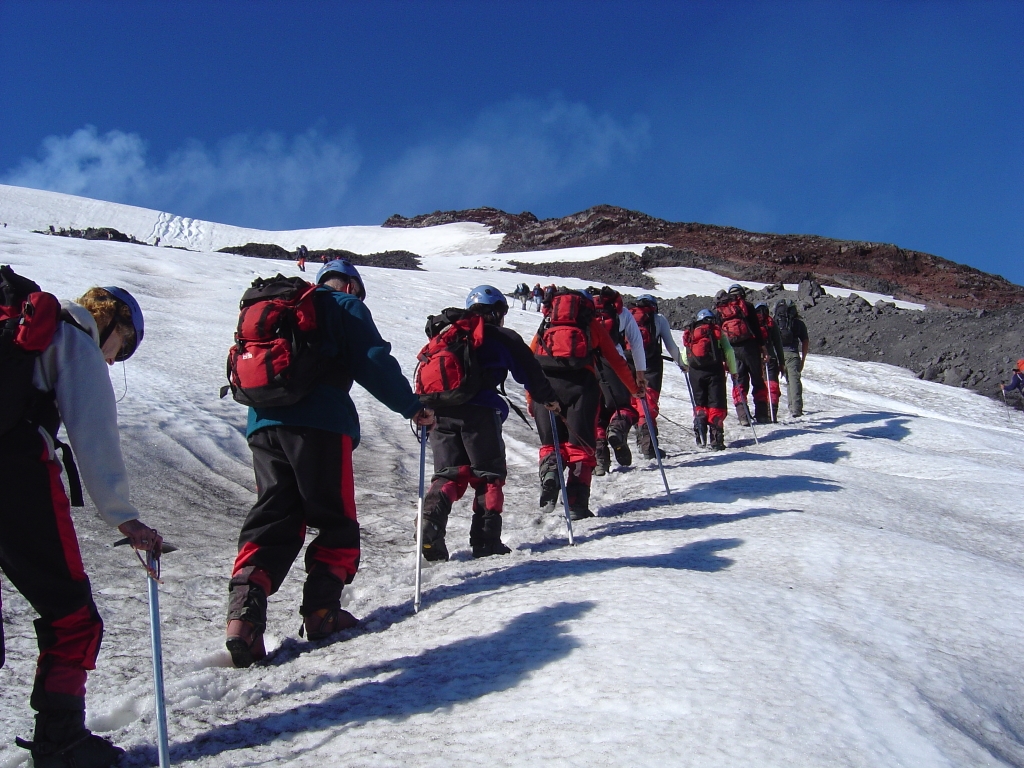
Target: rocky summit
<point>740,255</point>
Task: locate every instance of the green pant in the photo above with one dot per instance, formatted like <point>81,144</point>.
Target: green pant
<point>794,389</point>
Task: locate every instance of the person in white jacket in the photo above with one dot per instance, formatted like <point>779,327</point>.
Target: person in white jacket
<point>654,330</point>
<point>39,549</point>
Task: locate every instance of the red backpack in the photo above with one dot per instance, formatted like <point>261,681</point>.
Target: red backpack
<point>735,322</point>
<point>607,306</point>
<point>448,372</point>
<point>29,318</point>
<point>703,339</point>
<point>275,359</point>
<point>644,317</point>
<point>563,338</point>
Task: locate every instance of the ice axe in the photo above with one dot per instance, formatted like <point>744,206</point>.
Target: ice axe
<point>152,563</point>
<point>419,520</point>
<point>657,451</point>
<point>561,477</point>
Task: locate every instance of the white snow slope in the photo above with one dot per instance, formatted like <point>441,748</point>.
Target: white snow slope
<point>847,593</point>
<point>466,244</point>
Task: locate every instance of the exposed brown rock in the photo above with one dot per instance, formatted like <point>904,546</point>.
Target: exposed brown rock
<point>735,253</point>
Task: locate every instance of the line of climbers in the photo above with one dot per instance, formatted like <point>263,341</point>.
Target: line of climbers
<point>594,363</point>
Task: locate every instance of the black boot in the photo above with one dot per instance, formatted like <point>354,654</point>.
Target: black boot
<point>762,412</point>
<point>577,489</point>
<point>247,620</point>
<point>742,414</point>
<point>716,437</point>
<point>549,483</point>
<point>436,508</point>
<point>485,533</point>
<point>62,740</point>
<point>617,432</point>
<point>604,458</point>
<point>700,428</point>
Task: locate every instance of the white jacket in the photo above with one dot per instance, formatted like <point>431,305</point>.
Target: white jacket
<point>631,331</point>
<point>664,332</point>
<point>73,367</point>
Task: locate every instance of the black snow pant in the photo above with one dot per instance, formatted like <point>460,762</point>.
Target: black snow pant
<point>655,377</point>
<point>579,396</point>
<point>303,478</point>
<point>616,412</point>
<point>468,452</point>
<point>750,374</point>
<point>39,553</point>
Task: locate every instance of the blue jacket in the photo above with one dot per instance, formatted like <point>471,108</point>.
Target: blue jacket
<point>349,336</point>
<point>1017,382</point>
<point>504,352</point>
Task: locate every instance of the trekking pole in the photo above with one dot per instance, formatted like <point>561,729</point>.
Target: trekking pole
<point>657,451</point>
<point>419,520</point>
<point>561,478</point>
<point>750,422</point>
<point>774,411</point>
<point>152,563</point>
<point>152,566</point>
<point>1008,420</point>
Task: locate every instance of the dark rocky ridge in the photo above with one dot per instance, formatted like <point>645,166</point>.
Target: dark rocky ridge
<point>958,347</point>
<point>735,253</point>
<point>387,259</point>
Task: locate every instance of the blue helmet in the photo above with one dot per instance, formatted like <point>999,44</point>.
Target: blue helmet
<point>344,268</point>
<point>138,323</point>
<point>646,299</point>
<point>705,314</point>
<point>737,288</point>
<point>488,295</point>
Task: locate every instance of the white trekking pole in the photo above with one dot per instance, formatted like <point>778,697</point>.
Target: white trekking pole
<point>1008,419</point>
<point>561,477</point>
<point>750,421</point>
<point>773,410</point>
<point>152,564</point>
<point>657,451</point>
<point>419,520</point>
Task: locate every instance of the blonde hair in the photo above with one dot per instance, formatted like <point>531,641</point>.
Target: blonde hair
<point>106,309</point>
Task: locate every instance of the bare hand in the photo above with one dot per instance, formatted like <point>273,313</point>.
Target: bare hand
<point>424,417</point>
<point>142,536</point>
<point>641,383</point>
<point>553,406</point>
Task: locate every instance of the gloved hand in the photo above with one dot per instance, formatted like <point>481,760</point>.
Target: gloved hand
<point>641,383</point>
<point>424,417</point>
<point>553,406</point>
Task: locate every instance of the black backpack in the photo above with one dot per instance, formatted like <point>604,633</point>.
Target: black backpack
<point>784,321</point>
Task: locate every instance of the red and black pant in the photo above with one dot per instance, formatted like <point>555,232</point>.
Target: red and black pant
<point>468,453</point>
<point>39,554</point>
<point>579,395</point>
<point>303,478</point>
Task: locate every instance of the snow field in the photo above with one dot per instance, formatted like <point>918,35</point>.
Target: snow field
<point>846,593</point>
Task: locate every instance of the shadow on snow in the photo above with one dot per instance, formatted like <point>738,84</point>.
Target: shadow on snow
<point>396,689</point>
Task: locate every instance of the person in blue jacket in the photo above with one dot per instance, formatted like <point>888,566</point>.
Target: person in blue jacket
<point>1017,382</point>
<point>302,457</point>
<point>466,440</point>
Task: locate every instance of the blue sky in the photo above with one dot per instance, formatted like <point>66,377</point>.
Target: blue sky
<point>887,121</point>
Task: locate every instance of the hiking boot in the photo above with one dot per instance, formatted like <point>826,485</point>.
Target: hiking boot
<point>604,458</point>
<point>244,642</point>
<point>434,548</point>
<point>88,751</point>
<point>762,413</point>
<point>549,484</point>
<point>620,447</point>
<point>323,623</point>
<point>716,437</point>
<point>490,547</point>
<point>743,415</point>
<point>580,513</point>
<point>434,551</point>
<point>700,429</point>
